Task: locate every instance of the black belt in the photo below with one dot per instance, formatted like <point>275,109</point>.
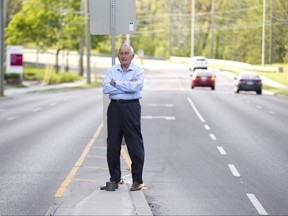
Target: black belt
<point>124,101</point>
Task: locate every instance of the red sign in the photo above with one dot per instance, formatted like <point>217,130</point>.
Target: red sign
<point>16,59</point>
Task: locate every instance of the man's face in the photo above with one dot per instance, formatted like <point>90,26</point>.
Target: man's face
<point>125,56</point>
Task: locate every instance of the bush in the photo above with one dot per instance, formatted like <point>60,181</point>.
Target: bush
<point>34,73</point>
<point>40,73</point>
<point>12,78</point>
<point>64,78</point>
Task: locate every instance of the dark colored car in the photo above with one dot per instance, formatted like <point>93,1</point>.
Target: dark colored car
<point>248,82</point>
<point>204,78</point>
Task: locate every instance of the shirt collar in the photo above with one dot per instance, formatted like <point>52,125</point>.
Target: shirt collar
<point>130,68</point>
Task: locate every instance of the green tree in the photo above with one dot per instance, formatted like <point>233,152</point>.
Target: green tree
<point>152,28</point>
<point>163,28</point>
<point>47,23</point>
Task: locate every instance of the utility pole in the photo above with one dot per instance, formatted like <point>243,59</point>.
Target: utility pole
<point>81,44</point>
<point>88,42</point>
<point>212,27</point>
<point>263,32</point>
<point>192,27</point>
<point>271,32</point>
<point>1,49</point>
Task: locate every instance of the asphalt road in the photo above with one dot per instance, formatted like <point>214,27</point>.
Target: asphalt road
<point>42,135</point>
<point>213,152</point>
<point>207,152</point>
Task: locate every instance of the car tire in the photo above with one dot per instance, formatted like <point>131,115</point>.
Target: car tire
<point>192,87</point>
<point>213,88</point>
<point>259,92</point>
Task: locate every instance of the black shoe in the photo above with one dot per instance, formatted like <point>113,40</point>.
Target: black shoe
<point>105,187</point>
<point>136,186</point>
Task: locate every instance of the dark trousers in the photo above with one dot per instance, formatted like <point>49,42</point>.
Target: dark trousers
<point>124,120</point>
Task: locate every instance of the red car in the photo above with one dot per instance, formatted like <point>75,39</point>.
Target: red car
<point>204,78</point>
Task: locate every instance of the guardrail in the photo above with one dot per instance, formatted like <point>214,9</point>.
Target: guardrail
<point>227,64</point>
<point>243,66</point>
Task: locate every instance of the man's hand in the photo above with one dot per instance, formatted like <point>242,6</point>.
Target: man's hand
<point>134,79</point>
<point>112,82</point>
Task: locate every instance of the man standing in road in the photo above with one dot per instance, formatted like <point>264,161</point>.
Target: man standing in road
<point>124,83</point>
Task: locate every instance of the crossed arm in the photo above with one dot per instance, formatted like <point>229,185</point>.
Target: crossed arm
<point>113,87</point>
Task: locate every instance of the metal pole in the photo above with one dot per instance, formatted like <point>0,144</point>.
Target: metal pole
<point>113,30</point>
<point>192,27</point>
<point>1,50</point>
<point>88,42</point>
<point>263,32</point>
<point>212,28</point>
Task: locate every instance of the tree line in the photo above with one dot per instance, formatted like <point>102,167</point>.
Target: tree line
<point>223,29</point>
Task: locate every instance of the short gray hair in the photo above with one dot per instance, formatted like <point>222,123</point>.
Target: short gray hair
<point>127,45</point>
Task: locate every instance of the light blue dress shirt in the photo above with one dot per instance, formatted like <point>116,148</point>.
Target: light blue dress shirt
<point>124,89</point>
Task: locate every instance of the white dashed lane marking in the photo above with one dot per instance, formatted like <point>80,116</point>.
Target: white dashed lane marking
<point>232,167</point>
<point>159,117</point>
<point>36,109</point>
<point>272,112</point>
<point>212,136</point>
<point>160,105</point>
<point>234,170</point>
<point>196,110</point>
<point>221,150</point>
<point>257,204</point>
<point>11,118</point>
<point>259,107</point>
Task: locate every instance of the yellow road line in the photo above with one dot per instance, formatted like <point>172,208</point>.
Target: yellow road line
<point>74,170</point>
<point>180,86</point>
<point>126,158</point>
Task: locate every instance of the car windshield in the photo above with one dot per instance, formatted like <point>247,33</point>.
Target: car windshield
<point>200,61</point>
<point>249,76</point>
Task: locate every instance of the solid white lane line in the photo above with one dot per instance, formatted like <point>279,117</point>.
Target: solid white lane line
<point>196,110</point>
<point>159,117</point>
<point>206,127</point>
<point>234,170</point>
<point>257,204</point>
<point>212,136</point>
<point>221,150</point>
<point>11,118</point>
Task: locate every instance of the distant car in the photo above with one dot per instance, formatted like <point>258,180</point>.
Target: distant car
<point>204,78</point>
<point>248,82</point>
<point>197,62</point>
